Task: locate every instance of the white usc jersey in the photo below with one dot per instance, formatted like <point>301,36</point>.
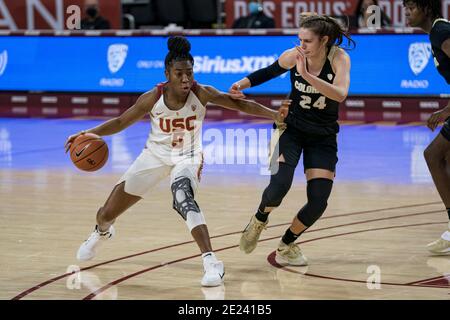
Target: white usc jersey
<point>176,133</point>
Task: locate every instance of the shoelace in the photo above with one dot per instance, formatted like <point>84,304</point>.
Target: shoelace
<point>258,227</point>
<point>106,234</point>
<point>293,249</point>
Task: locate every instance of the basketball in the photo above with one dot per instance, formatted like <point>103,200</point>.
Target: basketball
<point>89,152</point>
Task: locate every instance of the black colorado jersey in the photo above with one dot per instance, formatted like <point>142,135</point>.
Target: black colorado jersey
<point>438,34</point>
<point>310,111</point>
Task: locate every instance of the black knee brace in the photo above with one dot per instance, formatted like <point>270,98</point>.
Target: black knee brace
<point>279,185</point>
<point>318,190</point>
<point>183,197</point>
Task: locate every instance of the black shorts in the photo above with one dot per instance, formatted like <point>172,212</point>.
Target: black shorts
<point>445,131</point>
<point>318,151</point>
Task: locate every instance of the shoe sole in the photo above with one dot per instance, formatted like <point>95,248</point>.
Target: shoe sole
<point>283,262</point>
<point>440,253</point>
<point>84,259</point>
<point>245,249</point>
<point>79,258</point>
<point>213,284</point>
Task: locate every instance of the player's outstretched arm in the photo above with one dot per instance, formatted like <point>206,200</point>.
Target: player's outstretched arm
<point>285,62</point>
<point>438,117</point>
<point>211,94</point>
<point>143,105</point>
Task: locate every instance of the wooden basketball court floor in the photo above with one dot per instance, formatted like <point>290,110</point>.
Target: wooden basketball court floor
<point>370,243</point>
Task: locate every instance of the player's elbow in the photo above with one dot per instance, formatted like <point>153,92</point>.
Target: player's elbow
<point>341,97</point>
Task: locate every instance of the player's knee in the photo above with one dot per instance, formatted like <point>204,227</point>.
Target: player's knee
<point>428,154</point>
<point>318,192</point>
<point>279,185</point>
<point>312,211</point>
<point>274,194</point>
<point>184,203</point>
<point>433,157</point>
<point>318,204</point>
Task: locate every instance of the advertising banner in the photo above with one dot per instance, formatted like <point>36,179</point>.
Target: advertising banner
<point>393,64</point>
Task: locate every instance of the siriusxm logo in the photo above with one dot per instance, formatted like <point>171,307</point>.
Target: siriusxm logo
<point>245,64</point>
<point>117,54</point>
<point>419,55</point>
<point>3,61</point>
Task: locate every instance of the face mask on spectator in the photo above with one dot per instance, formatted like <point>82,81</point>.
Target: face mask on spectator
<point>91,11</point>
<point>253,7</point>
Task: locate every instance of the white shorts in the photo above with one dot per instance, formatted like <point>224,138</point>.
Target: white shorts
<point>148,170</point>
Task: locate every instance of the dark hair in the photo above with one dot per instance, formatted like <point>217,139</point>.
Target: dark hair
<point>432,8</point>
<point>324,25</point>
<point>385,20</point>
<point>359,6</point>
<point>179,48</point>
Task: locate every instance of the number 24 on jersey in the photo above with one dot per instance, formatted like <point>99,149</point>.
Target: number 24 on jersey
<point>306,103</point>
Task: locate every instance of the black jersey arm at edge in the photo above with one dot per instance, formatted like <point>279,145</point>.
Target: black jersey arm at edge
<point>265,74</point>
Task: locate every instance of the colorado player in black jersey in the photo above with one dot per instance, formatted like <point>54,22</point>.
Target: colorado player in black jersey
<point>320,79</point>
<point>427,15</point>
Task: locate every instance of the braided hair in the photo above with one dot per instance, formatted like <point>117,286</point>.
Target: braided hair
<point>323,25</point>
<point>179,48</point>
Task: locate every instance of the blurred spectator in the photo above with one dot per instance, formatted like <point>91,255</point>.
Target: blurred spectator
<point>93,20</point>
<point>256,19</point>
<point>361,16</point>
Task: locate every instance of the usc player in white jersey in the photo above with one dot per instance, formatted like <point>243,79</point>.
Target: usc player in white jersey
<point>177,109</point>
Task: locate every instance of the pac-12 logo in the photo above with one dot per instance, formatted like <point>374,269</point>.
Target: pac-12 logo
<point>419,55</point>
<point>3,61</point>
<point>117,54</point>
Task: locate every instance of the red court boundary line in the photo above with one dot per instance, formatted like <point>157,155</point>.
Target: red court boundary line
<point>271,259</point>
<point>47,282</point>
<point>421,282</point>
<point>115,282</point>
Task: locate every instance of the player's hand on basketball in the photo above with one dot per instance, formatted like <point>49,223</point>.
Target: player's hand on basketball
<point>301,61</point>
<point>438,117</point>
<point>235,91</point>
<point>282,113</point>
<point>71,139</point>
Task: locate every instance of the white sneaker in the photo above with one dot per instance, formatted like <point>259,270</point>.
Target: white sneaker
<point>88,248</point>
<point>214,273</point>
<point>290,254</point>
